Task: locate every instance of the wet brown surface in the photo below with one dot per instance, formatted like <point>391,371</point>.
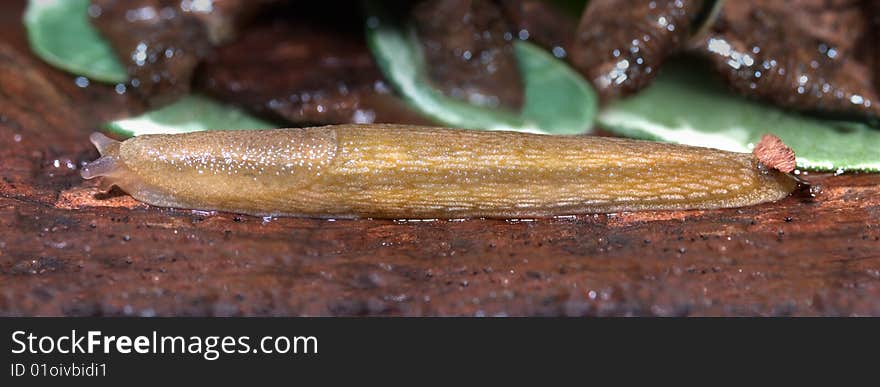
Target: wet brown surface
<point>77,257</point>
<point>67,250</point>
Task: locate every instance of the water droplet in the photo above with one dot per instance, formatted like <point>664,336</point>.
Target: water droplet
<point>857,99</point>
<point>559,52</point>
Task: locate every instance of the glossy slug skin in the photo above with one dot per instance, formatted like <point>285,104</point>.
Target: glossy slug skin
<point>386,171</point>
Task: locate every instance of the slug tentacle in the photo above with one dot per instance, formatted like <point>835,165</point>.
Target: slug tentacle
<point>103,166</point>
<point>393,171</point>
<point>109,165</point>
<point>106,167</point>
<point>104,144</point>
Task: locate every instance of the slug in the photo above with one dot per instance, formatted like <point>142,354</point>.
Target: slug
<point>391,171</point>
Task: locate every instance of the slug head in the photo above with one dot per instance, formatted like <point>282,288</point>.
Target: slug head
<point>108,165</point>
<point>214,169</point>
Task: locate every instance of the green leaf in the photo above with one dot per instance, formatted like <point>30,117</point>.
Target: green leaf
<point>557,99</point>
<point>691,107</point>
<point>60,33</point>
<point>191,113</point>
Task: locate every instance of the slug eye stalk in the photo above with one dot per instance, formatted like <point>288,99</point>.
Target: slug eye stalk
<point>393,171</point>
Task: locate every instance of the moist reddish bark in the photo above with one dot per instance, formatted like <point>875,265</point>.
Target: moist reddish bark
<point>65,249</point>
<point>794,257</point>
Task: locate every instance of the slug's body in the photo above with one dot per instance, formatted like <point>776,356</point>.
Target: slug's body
<point>386,171</point>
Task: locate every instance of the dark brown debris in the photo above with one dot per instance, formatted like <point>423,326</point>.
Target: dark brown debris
<point>544,24</point>
<point>621,44</point>
<point>468,47</point>
<point>300,71</point>
<point>225,18</point>
<point>805,55</point>
<point>159,44</point>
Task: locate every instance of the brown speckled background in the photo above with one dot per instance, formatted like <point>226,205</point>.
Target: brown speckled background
<point>66,251</point>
